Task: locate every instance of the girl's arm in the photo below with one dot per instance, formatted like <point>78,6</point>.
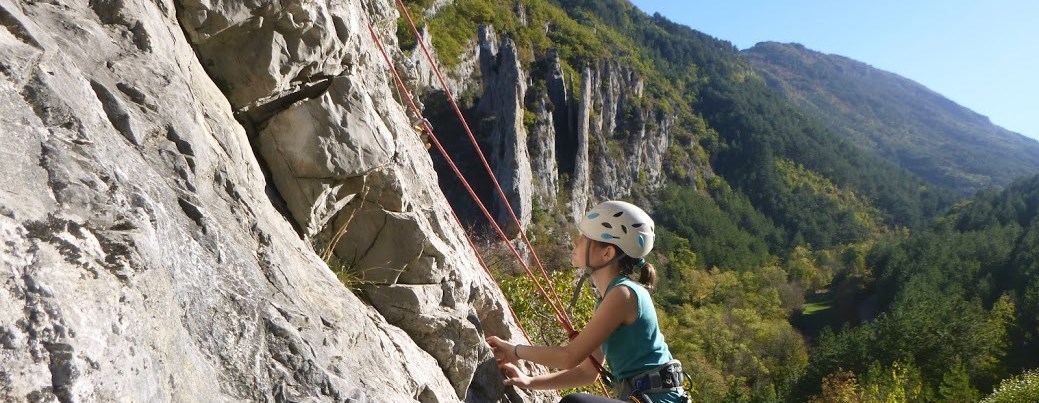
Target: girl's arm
<point>581,375</point>
<point>618,307</point>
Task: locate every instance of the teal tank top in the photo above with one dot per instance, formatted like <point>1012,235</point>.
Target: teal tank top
<point>637,347</point>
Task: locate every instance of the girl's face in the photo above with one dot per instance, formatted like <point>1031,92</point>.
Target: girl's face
<point>577,253</point>
<point>598,253</point>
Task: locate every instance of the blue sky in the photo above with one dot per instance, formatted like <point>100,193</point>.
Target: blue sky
<point>982,54</point>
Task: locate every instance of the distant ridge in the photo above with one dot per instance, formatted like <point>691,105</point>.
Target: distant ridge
<point>902,121</point>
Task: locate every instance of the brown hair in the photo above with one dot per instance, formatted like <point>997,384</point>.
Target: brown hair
<point>631,265</point>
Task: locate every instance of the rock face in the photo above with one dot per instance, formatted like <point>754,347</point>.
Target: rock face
<point>579,182</point>
<point>628,141</point>
<point>549,108</point>
<point>143,255</point>
<point>506,140</point>
<point>600,143</point>
<point>419,74</point>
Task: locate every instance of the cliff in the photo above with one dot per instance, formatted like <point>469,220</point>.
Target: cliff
<point>173,169</point>
<point>556,143</point>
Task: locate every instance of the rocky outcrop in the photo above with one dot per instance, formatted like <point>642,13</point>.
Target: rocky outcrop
<point>579,178</point>
<point>505,135</point>
<point>420,75</point>
<point>352,165</point>
<point>144,257</point>
<point>629,140</point>
<point>541,144</point>
<point>548,120</point>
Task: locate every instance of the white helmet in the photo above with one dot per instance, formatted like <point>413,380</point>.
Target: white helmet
<point>622,224</point>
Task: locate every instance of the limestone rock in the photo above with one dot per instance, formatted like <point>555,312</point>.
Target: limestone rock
<point>547,120</point>
<point>419,73</point>
<point>277,44</point>
<point>143,257</point>
<point>541,145</point>
<point>502,102</point>
<point>629,140</point>
<point>354,176</point>
<point>579,180</point>
<point>318,142</point>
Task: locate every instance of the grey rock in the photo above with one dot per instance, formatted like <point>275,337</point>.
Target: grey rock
<point>141,257</point>
<point>504,91</point>
<point>420,75</point>
<point>541,144</point>
<point>278,45</point>
<point>628,142</point>
<point>345,159</point>
<point>316,143</point>
<point>580,185</point>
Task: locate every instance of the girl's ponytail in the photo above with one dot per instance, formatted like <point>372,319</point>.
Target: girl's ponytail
<point>647,275</point>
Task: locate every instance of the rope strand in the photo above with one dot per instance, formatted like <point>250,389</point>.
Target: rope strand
<point>479,153</point>
<point>555,303</point>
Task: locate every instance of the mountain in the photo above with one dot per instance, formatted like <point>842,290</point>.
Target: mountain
<point>230,201</point>
<point>643,103</point>
<point>899,119</point>
<point>763,208</point>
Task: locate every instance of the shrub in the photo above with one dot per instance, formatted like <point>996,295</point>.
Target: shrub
<point>1021,388</point>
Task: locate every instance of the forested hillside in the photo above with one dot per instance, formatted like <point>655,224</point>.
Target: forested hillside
<point>900,120</point>
<point>769,217</point>
<point>959,304</point>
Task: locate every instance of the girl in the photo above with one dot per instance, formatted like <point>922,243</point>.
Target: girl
<point>615,237</point>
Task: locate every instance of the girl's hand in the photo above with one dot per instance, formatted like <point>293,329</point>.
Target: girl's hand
<point>504,351</point>
<point>513,376</point>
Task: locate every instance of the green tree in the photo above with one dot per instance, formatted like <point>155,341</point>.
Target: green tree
<point>956,386</point>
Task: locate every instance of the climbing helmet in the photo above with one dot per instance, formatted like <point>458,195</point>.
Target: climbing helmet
<point>619,223</point>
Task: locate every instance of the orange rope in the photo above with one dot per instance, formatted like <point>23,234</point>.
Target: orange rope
<point>414,108</point>
<point>555,303</point>
<point>555,300</point>
<point>436,141</point>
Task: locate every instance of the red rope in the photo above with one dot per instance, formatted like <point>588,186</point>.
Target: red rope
<point>560,314</point>
<point>491,276</point>
<point>555,302</point>
<point>436,141</point>
<point>490,172</point>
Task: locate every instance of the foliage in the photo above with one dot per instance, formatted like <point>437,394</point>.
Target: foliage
<point>838,387</point>
<point>956,293</point>
<point>347,273</point>
<point>858,213</point>
<point>531,307</point>
<point>1021,388</point>
<point>956,386</point>
<point>731,325</point>
<point>899,383</point>
<point>793,212</point>
<point>717,235</point>
<point>536,315</point>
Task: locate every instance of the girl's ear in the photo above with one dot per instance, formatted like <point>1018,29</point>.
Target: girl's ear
<point>609,252</point>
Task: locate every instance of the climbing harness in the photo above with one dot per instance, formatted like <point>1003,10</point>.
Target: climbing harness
<point>668,377</point>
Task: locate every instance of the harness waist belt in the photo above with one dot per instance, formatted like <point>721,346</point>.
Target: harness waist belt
<point>665,378</point>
